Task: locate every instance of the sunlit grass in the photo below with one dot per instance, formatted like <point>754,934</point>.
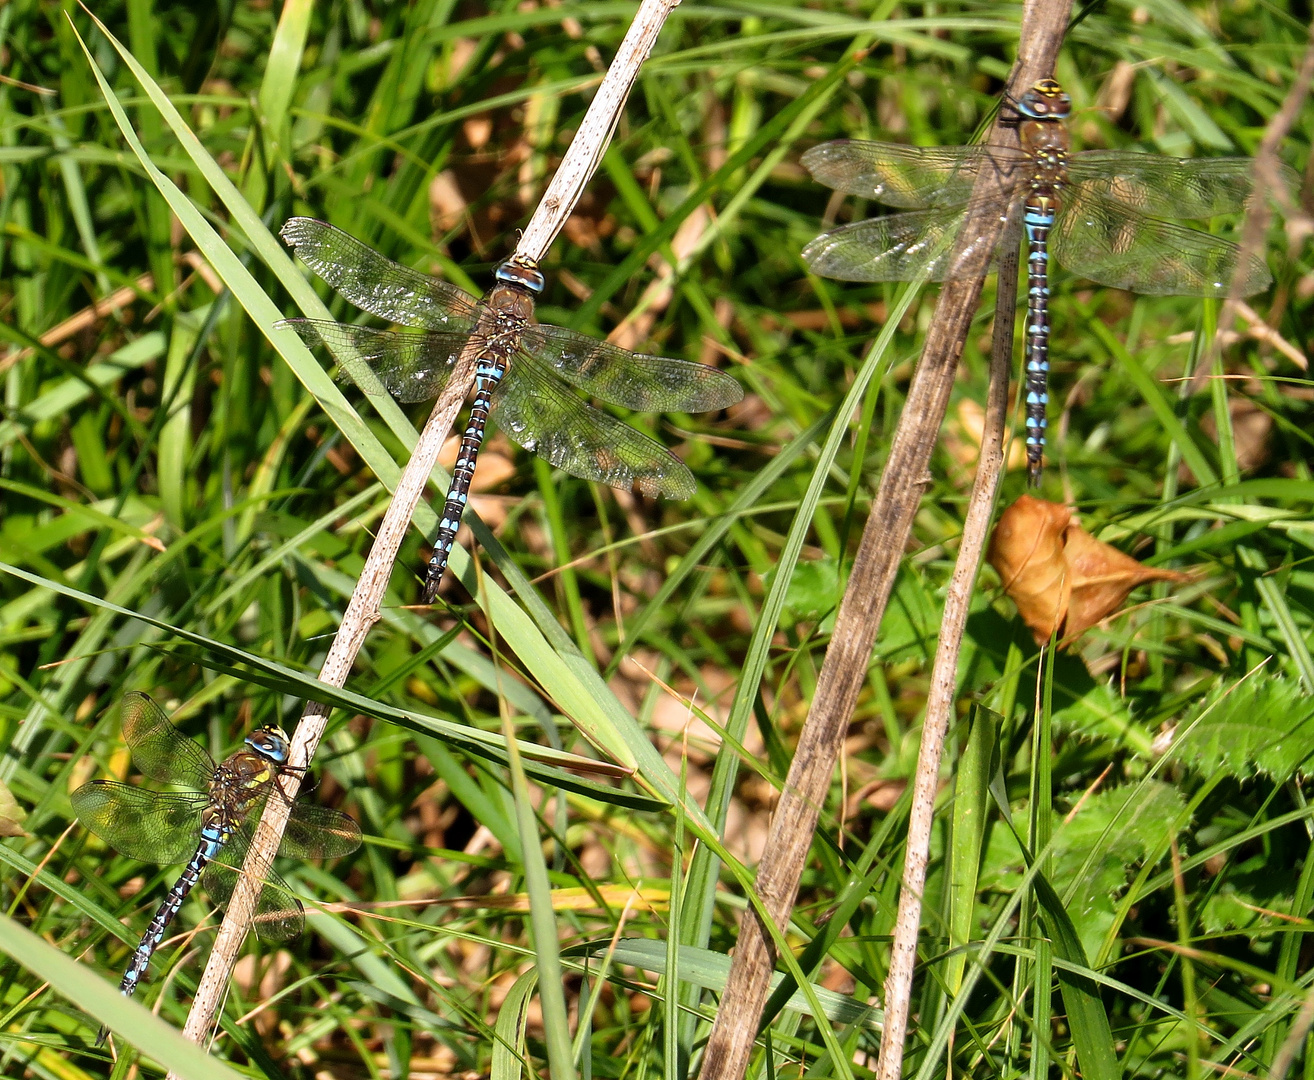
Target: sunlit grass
<point>161,456</point>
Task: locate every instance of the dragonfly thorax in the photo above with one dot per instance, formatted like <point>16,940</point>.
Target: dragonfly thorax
<point>238,781</point>
<point>512,304</point>
<point>1046,144</point>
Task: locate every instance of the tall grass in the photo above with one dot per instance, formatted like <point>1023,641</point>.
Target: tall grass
<point>162,458</point>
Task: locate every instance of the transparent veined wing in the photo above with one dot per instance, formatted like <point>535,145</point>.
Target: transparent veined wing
<point>278,915</point>
<point>543,416</point>
<point>414,367</point>
<point>144,825</point>
<point>634,380</point>
<point>915,177</point>
<point>159,749</point>
<point>1164,186</point>
<point>318,832</point>
<point>901,247</point>
<point>376,284</point>
<point>1114,245</point>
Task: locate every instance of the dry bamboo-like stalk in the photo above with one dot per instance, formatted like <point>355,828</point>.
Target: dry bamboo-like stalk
<point>944,673</point>
<point>362,610</point>
<point>849,653</point>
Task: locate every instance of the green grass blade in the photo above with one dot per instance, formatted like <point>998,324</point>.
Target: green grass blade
<point>971,798</point>
<point>128,1020</point>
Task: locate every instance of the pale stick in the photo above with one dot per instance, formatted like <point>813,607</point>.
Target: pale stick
<point>590,141</point>
<point>940,698</point>
<point>363,608</point>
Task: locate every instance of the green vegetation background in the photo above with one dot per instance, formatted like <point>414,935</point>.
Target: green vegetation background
<point>163,458</point>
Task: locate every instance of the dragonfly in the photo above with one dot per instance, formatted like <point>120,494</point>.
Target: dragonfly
<point>195,826</point>
<point>1101,213</point>
<point>523,374</point>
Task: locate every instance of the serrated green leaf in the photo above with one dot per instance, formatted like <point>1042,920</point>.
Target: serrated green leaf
<point>1257,727</point>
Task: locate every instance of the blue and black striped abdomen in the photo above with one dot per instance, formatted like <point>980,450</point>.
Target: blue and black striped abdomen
<point>213,838</point>
<point>1039,219</point>
<point>491,367</point>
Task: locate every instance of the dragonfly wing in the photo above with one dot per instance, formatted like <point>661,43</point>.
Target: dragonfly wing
<point>318,832</point>
<point>159,749</point>
<point>414,367</point>
<point>901,247</point>
<point>1166,186</point>
<point>909,176</point>
<point>1110,243</point>
<point>634,380</point>
<point>543,416</point>
<point>279,914</point>
<point>143,825</point>
<point>375,284</point>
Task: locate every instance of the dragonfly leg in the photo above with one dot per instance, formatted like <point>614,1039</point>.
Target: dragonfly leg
<point>488,374</point>
<point>1038,219</point>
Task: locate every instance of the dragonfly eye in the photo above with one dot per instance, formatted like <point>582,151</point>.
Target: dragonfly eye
<point>269,743</point>
<point>522,272</point>
<point>1046,100</point>
<point>1031,105</point>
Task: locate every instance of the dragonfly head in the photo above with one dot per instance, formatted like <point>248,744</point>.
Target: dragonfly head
<point>270,743</point>
<point>1047,100</point>
<point>522,271</point>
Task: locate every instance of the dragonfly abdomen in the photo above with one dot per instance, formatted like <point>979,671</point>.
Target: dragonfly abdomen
<point>488,374</point>
<point>1038,219</point>
<point>213,838</point>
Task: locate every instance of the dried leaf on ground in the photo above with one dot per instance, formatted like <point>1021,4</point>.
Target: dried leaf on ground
<point>1060,577</point>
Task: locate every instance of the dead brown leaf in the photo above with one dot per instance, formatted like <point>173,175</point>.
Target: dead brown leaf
<point>1061,578</point>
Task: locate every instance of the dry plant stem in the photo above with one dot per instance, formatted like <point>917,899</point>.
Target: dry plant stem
<point>594,133</point>
<point>88,316</point>
<point>1268,180</point>
<point>1291,1045</point>
<point>944,673</point>
<point>847,657</point>
<point>362,610</point>
<point>1267,175</point>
